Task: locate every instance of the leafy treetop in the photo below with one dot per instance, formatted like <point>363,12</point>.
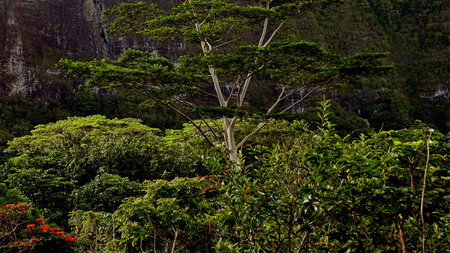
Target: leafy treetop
<point>46,136</point>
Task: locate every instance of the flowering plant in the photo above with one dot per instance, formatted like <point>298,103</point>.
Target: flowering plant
<point>15,235</point>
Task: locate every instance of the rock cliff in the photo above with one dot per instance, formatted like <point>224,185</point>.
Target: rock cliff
<point>34,34</point>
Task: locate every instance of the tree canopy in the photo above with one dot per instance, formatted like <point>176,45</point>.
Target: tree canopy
<point>237,45</point>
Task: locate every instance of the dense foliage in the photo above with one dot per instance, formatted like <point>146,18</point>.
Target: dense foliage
<point>313,191</point>
<point>304,183</point>
<point>91,163</point>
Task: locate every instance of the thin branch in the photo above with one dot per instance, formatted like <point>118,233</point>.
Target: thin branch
<point>179,112</point>
<point>186,103</point>
<point>261,125</point>
<point>114,232</point>
<point>286,96</point>
<point>278,29</point>
<point>232,89</point>
<point>207,16</point>
<point>246,84</point>
<point>213,24</point>
<point>424,232</point>
<point>156,231</point>
<point>303,98</point>
<point>214,122</point>
<point>256,142</point>
<point>303,241</point>
<point>217,88</point>
<point>401,234</point>
<point>207,93</point>
<point>266,24</point>
<point>175,240</point>
<point>442,241</point>
<point>223,44</point>
<point>278,100</point>
<point>293,92</point>
<point>228,32</point>
<point>210,129</point>
<point>309,93</point>
<point>154,242</point>
<point>264,32</point>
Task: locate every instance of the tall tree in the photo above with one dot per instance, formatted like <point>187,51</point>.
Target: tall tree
<point>240,44</point>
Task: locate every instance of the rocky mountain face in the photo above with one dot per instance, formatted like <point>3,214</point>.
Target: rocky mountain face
<point>34,34</point>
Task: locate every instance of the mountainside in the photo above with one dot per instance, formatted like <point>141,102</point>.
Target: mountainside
<point>36,33</point>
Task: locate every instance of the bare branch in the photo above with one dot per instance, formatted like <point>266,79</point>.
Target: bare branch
<point>207,16</point>
<point>207,93</point>
<point>264,32</point>
<point>266,24</point>
<point>228,32</point>
<point>303,98</point>
<point>175,240</point>
<point>422,199</point>
<point>212,130</point>
<point>278,100</point>
<point>155,230</point>
<point>261,125</point>
<point>223,44</point>
<point>283,98</point>
<point>232,89</point>
<point>186,103</point>
<point>213,25</point>
<point>309,93</point>
<point>217,87</point>
<point>246,84</point>
<point>294,92</point>
<point>278,29</point>
<point>177,111</point>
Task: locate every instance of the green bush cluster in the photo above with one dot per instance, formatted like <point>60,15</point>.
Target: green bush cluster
<point>91,163</point>
<point>121,187</point>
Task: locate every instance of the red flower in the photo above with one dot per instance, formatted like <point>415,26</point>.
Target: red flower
<point>31,226</point>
